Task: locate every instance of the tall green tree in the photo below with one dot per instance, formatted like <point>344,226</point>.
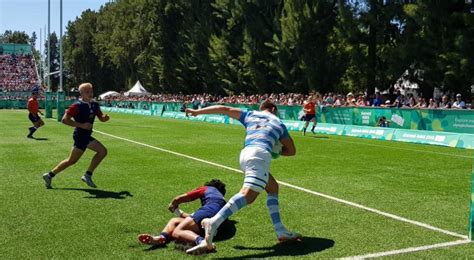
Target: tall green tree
<point>19,37</point>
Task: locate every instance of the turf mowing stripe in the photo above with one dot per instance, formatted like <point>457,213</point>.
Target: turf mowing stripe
<point>410,250</point>
<point>389,215</point>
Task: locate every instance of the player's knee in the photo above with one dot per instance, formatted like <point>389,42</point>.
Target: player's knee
<point>175,221</point>
<point>104,152</point>
<point>250,196</point>
<point>177,233</point>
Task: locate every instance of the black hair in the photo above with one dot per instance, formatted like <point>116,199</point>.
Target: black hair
<point>218,184</point>
<point>268,105</point>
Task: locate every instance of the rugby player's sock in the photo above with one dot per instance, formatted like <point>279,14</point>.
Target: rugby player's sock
<point>89,173</point>
<point>235,203</point>
<point>312,128</point>
<point>274,209</point>
<point>304,130</point>
<point>32,130</point>
<point>198,240</point>
<point>166,236</point>
<point>51,174</point>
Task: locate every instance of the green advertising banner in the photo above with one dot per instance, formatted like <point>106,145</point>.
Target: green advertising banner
<point>380,133</point>
<point>293,125</point>
<point>336,115</point>
<point>459,121</point>
<point>168,114</point>
<point>197,118</point>
<point>329,129</point>
<point>180,115</point>
<point>127,111</point>
<point>216,119</point>
<point>157,109</point>
<point>466,141</point>
<point>426,137</point>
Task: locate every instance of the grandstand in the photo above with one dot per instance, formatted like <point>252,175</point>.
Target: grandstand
<point>18,70</point>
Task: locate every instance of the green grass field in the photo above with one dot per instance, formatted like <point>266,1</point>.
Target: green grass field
<point>423,183</point>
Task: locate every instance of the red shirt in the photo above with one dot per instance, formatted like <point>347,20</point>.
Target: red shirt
<point>33,106</point>
<point>310,108</point>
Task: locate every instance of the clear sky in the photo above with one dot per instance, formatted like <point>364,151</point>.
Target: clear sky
<point>31,15</point>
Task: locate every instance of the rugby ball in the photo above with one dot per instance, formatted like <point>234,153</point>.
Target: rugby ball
<point>276,151</point>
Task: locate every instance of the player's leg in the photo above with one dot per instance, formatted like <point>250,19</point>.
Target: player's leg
<point>165,235</point>
<point>306,123</point>
<point>36,125</point>
<point>255,163</point>
<point>189,230</point>
<point>40,123</point>
<point>100,154</point>
<point>272,190</point>
<point>314,124</point>
<point>74,156</point>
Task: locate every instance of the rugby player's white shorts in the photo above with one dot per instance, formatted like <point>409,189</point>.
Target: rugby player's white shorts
<point>255,163</point>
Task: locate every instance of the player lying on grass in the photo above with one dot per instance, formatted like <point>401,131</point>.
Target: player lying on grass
<point>263,130</point>
<point>33,109</point>
<point>187,228</point>
<point>83,112</point>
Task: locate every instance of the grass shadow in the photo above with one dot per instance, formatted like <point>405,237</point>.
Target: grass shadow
<point>319,137</point>
<point>306,246</point>
<point>40,138</point>
<point>226,231</point>
<point>154,247</point>
<point>101,194</point>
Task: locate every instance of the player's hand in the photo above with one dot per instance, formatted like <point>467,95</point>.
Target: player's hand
<point>105,118</point>
<point>172,207</point>
<point>191,112</point>
<point>86,126</point>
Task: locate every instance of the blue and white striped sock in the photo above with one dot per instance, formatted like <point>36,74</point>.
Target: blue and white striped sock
<point>235,203</point>
<point>274,209</point>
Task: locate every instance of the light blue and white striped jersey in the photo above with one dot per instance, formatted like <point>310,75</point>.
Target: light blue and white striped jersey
<point>262,129</point>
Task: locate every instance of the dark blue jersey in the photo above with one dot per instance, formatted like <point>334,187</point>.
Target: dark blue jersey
<point>208,195</point>
<point>84,112</point>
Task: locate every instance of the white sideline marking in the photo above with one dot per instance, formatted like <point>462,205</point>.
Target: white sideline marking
<point>409,250</point>
<point>376,211</point>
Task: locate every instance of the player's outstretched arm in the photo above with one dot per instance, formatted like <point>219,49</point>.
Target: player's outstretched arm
<point>289,148</point>
<point>183,198</point>
<point>219,109</point>
<point>67,120</point>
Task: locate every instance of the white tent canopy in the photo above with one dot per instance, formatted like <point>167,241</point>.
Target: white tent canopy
<point>109,94</point>
<point>137,90</point>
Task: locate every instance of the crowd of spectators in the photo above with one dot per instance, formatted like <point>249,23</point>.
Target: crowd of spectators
<point>17,72</point>
<point>396,100</point>
<point>294,99</point>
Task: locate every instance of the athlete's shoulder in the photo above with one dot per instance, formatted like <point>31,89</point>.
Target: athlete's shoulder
<point>77,102</point>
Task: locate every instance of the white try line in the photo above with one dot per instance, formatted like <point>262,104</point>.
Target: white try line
<point>409,250</point>
<point>376,211</point>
